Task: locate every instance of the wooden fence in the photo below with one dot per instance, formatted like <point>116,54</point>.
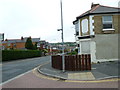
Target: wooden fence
<point>72,63</point>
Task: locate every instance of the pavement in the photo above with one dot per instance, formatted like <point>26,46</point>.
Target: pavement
<point>34,80</point>
<point>100,71</point>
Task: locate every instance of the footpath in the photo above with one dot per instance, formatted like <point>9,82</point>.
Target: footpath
<point>100,71</point>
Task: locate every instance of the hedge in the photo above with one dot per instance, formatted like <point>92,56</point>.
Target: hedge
<point>8,55</point>
<point>73,53</point>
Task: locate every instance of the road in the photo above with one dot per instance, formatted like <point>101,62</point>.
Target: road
<point>23,74</point>
<point>15,68</point>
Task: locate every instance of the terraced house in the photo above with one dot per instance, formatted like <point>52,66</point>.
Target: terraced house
<point>97,32</point>
<point>17,43</point>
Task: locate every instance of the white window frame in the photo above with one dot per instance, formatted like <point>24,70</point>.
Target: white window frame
<point>107,22</point>
<point>85,23</point>
<point>77,28</point>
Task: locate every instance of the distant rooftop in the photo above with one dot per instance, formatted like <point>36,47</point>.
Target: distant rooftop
<point>23,39</point>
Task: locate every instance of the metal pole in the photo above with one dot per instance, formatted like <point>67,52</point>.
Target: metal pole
<point>63,64</point>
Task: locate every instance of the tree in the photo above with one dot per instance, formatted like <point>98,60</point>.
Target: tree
<point>35,46</point>
<point>28,44</point>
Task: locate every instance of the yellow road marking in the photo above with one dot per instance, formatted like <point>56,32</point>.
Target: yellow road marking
<point>95,81</point>
<point>43,76</point>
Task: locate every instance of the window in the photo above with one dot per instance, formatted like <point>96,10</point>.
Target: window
<point>14,45</point>
<point>84,26</point>
<point>9,44</point>
<point>107,22</point>
<point>77,28</point>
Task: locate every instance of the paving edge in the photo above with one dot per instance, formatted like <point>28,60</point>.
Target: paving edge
<point>62,78</point>
<point>50,75</point>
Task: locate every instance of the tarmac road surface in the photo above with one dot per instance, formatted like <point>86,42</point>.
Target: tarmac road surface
<point>15,68</point>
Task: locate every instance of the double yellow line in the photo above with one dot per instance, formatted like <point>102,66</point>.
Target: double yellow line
<point>95,81</point>
<point>41,75</point>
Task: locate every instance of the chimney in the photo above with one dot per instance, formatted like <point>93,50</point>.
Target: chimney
<point>94,5</point>
<point>29,37</point>
<point>6,40</point>
<point>22,38</point>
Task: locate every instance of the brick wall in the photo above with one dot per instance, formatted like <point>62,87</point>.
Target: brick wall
<point>18,45</point>
<point>98,24</point>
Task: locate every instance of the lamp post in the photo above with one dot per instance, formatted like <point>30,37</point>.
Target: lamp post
<point>63,64</point>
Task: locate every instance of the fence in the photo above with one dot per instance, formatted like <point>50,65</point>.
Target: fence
<point>72,63</point>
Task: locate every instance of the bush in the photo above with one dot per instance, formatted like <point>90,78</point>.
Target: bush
<point>8,55</point>
<point>73,53</point>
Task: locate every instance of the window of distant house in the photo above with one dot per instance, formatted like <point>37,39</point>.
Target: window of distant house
<point>14,45</point>
<point>77,28</point>
<point>9,44</point>
<point>107,22</point>
<point>84,26</point>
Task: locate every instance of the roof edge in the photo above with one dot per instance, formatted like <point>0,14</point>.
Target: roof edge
<point>110,6</point>
<point>95,14</point>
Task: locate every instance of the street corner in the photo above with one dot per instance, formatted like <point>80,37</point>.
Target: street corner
<point>39,74</point>
<point>46,71</point>
<point>83,77</point>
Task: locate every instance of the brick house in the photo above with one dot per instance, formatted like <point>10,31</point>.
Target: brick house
<point>97,32</point>
<point>17,43</point>
<point>43,45</point>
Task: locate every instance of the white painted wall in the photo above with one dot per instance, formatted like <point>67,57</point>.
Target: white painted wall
<point>93,51</point>
<point>79,27</point>
<point>91,21</point>
<point>87,46</point>
<point>106,47</point>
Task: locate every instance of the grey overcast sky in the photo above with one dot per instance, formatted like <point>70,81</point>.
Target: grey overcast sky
<point>41,18</point>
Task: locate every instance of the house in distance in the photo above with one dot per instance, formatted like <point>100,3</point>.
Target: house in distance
<point>17,43</point>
